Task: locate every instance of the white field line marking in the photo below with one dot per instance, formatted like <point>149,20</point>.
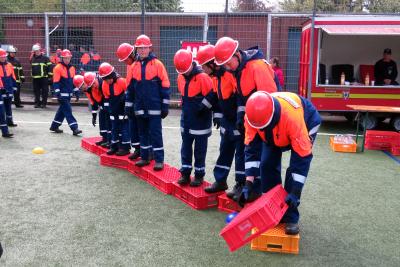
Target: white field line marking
<point>164,127</point>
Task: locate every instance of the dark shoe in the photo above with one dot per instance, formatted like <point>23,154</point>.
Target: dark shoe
<point>158,166</point>
<point>142,163</point>
<point>8,135</point>
<point>122,152</point>
<point>76,132</point>
<point>19,106</point>
<point>253,197</point>
<point>111,152</point>
<point>292,228</point>
<point>197,181</point>
<point>56,130</point>
<point>184,180</point>
<point>98,143</point>
<point>43,106</point>
<point>105,145</point>
<point>234,194</point>
<point>37,106</point>
<point>134,155</point>
<point>11,124</point>
<point>216,187</point>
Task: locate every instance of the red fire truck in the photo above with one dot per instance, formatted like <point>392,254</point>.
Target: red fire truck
<point>343,52</point>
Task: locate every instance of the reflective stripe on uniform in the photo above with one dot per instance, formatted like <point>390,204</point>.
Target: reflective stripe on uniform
<point>158,148</point>
<point>73,123</point>
<point>314,130</point>
<point>166,101</point>
<point>199,169</point>
<point>154,112</point>
<point>218,115</point>
<point>252,164</point>
<point>241,109</point>
<point>58,122</point>
<point>299,178</point>
<point>223,167</point>
<point>139,112</point>
<point>112,118</point>
<point>106,104</point>
<point>65,94</point>
<point>187,166</point>
<point>199,132</point>
<point>206,103</point>
<point>145,147</point>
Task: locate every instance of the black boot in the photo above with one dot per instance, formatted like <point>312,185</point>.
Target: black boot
<point>112,151</point>
<point>216,187</point>
<point>56,130</point>
<point>142,163</point>
<point>198,180</point>
<point>99,143</point>
<point>37,106</point>
<point>19,106</point>
<point>76,132</point>
<point>134,155</point>
<point>105,145</point>
<point>184,180</point>
<point>11,124</point>
<point>8,135</point>
<point>158,166</point>
<point>292,228</point>
<point>234,194</point>
<point>122,152</point>
<point>253,197</point>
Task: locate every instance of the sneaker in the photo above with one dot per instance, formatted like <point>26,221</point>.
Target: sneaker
<point>184,180</point>
<point>292,228</point>
<point>134,155</point>
<point>76,132</point>
<point>216,187</point>
<point>158,166</point>
<point>198,180</point>
<point>56,130</point>
<point>142,163</point>
<point>8,135</point>
<point>122,152</point>
<point>234,194</point>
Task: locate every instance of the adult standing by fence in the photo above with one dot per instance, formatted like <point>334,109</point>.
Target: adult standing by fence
<point>41,73</point>
<point>19,74</point>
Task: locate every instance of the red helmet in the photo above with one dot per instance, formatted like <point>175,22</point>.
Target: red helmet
<point>260,109</point>
<point>89,78</point>
<point>124,50</point>
<point>78,81</point>
<point>66,53</point>
<point>225,48</point>
<point>183,61</point>
<point>3,53</point>
<point>105,69</point>
<point>205,54</point>
<point>143,41</point>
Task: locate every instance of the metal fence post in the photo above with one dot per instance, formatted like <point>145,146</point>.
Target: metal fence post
<point>46,33</point>
<point>65,24</point>
<point>269,40</point>
<point>142,17</point>
<point>310,67</point>
<point>205,27</point>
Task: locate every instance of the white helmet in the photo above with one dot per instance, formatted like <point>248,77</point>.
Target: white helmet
<point>11,49</point>
<point>35,47</point>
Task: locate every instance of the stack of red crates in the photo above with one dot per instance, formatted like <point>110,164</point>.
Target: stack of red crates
<point>383,140</point>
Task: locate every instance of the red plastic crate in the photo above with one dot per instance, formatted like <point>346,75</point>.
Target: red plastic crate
<point>114,161</point>
<point>88,143</point>
<point>382,138</point>
<point>140,173</point>
<point>264,214</point>
<point>395,151</point>
<point>163,180</point>
<point>196,197</point>
<point>377,146</point>
<point>98,150</point>
<point>226,204</point>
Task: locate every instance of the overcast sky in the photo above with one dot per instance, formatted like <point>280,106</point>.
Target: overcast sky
<point>209,5</point>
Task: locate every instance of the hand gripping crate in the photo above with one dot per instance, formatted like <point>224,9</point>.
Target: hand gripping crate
<point>381,140</point>
<point>226,204</point>
<point>264,214</point>
<point>89,143</point>
<point>139,172</point>
<point>275,240</point>
<point>162,180</point>
<point>114,161</point>
<point>196,197</point>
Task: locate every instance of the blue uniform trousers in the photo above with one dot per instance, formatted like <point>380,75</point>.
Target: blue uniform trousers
<point>150,136</point>
<point>200,152</point>
<point>64,112</point>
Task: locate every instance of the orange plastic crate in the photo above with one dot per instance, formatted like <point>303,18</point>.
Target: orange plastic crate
<point>140,173</point>
<point>275,240</point>
<point>195,197</point>
<point>163,180</point>
<point>226,204</point>
<point>89,143</point>
<point>339,147</point>
<point>264,214</point>
<point>114,161</point>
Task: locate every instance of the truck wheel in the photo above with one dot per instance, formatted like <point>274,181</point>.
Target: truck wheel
<point>370,123</point>
<point>395,122</point>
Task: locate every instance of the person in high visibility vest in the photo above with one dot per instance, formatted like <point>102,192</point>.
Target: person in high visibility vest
<point>252,73</point>
<point>41,74</point>
<point>126,53</point>
<point>19,74</point>
<point>3,123</point>
<point>7,77</point>
<point>194,85</point>
<point>114,88</point>
<point>276,123</point>
<point>63,88</point>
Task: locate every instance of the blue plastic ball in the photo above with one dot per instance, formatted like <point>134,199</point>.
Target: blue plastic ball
<point>230,217</point>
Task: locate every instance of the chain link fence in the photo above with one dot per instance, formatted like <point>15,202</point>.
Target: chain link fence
<point>93,30</point>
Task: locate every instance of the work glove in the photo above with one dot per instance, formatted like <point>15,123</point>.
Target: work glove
<point>293,198</point>
<point>217,122</point>
<point>94,117</point>
<point>245,194</point>
<point>164,114</point>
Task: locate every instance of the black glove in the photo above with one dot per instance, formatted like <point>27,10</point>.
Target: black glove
<point>245,194</point>
<point>94,117</point>
<point>217,122</point>
<point>164,114</point>
<point>293,198</point>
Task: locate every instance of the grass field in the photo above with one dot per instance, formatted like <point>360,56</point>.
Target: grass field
<point>63,209</point>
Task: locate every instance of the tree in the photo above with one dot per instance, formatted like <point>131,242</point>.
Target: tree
<point>251,5</point>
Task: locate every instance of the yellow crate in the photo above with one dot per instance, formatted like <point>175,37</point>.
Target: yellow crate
<point>275,240</point>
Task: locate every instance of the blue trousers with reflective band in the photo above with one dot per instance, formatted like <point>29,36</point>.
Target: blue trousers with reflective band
<point>105,124</point>
<point>3,122</point>
<point>120,133</point>
<point>7,108</point>
<point>200,152</point>
<point>64,112</point>
<point>150,136</point>
<point>134,132</point>
<point>270,170</point>
<point>228,149</point>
